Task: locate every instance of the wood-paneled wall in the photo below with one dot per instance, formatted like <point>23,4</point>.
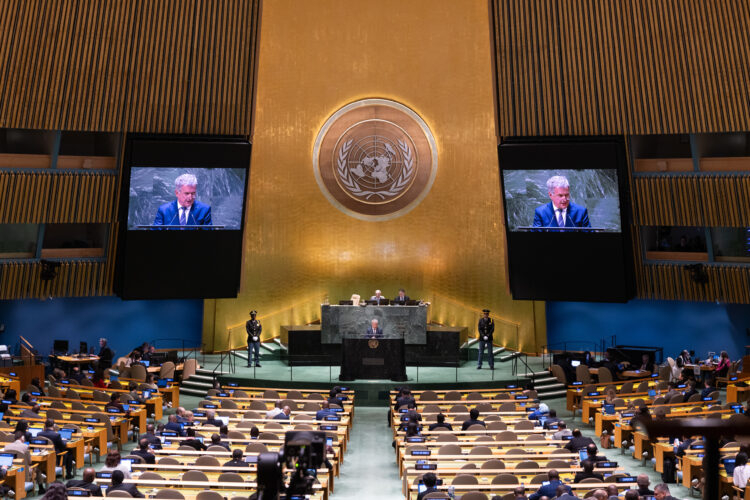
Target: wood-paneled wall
<point>567,67</point>
<point>57,197</point>
<point>174,66</point>
<point>75,278</point>
<point>692,200</point>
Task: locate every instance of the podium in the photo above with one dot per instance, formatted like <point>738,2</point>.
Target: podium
<point>365,358</point>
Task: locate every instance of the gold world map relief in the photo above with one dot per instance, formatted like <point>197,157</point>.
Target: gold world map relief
<point>375,159</point>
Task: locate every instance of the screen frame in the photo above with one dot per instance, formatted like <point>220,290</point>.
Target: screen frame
<point>225,245</point>
<point>617,244</point>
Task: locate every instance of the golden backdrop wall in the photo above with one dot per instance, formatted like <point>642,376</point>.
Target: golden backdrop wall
<point>433,56</point>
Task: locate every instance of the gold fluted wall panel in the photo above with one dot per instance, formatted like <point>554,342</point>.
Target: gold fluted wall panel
<point>179,66</point>
<point>692,200</point>
<point>75,278</point>
<point>621,66</point>
<point>57,197</point>
<point>433,56</point>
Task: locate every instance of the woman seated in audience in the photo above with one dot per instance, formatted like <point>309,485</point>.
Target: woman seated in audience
<point>150,382</point>
<point>113,462</point>
<point>741,470</point>
<point>11,395</point>
<point>724,364</point>
<point>98,379</point>
<point>683,359</point>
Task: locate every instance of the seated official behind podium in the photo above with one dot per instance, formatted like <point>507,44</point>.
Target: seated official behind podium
<point>560,211</point>
<point>185,210</point>
<point>379,297</point>
<point>374,331</point>
<point>401,298</point>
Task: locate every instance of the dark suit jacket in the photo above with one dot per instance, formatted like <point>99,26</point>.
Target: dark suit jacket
<point>549,491</point>
<point>444,424</point>
<point>95,490</point>
<point>469,423</point>
<point>580,443</point>
<point>233,463</point>
<point>195,444</point>
<point>130,488</point>
<point>153,440</point>
<point>580,476</point>
<point>56,440</point>
<point>174,426</point>
<point>400,300</point>
<point>281,416</point>
<point>376,333</point>
<point>576,216</point>
<point>426,492</point>
<point>105,357</point>
<point>169,215</point>
<point>147,457</point>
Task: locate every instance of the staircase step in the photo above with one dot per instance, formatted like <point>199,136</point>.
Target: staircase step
<point>509,356</point>
<point>549,387</point>
<point>498,350</point>
<point>192,392</point>
<point>197,385</point>
<point>209,373</point>
<point>553,394</point>
<point>202,378</point>
<point>536,374</point>
<point>544,380</point>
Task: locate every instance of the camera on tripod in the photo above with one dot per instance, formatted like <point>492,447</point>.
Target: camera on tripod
<point>303,454</point>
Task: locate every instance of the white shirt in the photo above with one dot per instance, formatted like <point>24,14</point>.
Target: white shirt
<point>741,475</point>
<point>273,412</point>
<point>180,212</point>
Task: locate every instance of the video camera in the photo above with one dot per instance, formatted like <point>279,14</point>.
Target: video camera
<point>304,452</point>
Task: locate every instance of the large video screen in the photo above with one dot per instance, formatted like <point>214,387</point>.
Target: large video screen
<point>186,198</point>
<point>565,203</point>
<point>181,213</point>
<point>562,200</point>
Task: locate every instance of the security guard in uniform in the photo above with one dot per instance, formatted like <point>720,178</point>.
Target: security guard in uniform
<point>253,338</point>
<point>486,329</point>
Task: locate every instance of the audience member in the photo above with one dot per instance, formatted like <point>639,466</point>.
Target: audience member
<point>56,491</point>
<point>144,452</point>
<point>172,425</point>
<point>562,431</point>
<point>237,460</point>
<point>216,441</point>
<point>325,411</point>
<point>661,492</point>
<point>194,442</point>
<point>113,463</point>
<point>211,418</point>
<point>690,391</point>
<point>646,363</point>
<point>741,470</point>
<point>153,440</point>
<point>473,419</point>
<point>277,408</point>
<point>551,419</point>
<point>284,415</point>
<point>722,369</point>
<point>441,423</point>
<point>549,490</point>
<point>591,454</point>
<point>578,442</point>
<point>50,433</point>
<point>587,472</point>
<point>643,482</point>
<point>430,481</point>
<point>543,410</point>
<point>118,485</point>
<point>87,482</point>
<point>612,492</point>
<point>632,495</point>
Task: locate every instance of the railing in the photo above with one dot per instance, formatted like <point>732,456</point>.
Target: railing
<point>186,352</point>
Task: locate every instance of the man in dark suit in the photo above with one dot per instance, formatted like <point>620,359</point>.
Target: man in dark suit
<point>560,211</point>
<point>153,440</point>
<point>430,481</point>
<point>105,354</point>
<point>587,472</point>
<point>643,482</point>
<point>374,331</point>
<point>550,489</point>
<point>237,460</point>
<point>473,419</point>
<point>144,452</point>
<point>185,210</point>
<point>284,415</point>
<point>32,412</point>
<point>401,298</point>
<point>578,442</point>
<point>216,441</point>
<point>486,329</point>
<point>661,492</point>
<point>211,419</point>
<point>172,425</point>
<point>117,485</point>
<point>378,297</point>
<point>254,329</point>
<point>87,482</point>
<point>441,423</point>
<point>54,436</point>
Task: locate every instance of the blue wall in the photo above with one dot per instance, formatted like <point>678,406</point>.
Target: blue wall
<point>672,325</point>
<point>125,324</point>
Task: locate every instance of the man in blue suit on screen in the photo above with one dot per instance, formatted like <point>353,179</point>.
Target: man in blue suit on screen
<point>560,212</point>
<point>185,210</point>
<point>374,331</point>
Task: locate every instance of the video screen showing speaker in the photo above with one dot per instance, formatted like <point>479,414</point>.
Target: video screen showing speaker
<point>182,210</point>
<point>565,202</point>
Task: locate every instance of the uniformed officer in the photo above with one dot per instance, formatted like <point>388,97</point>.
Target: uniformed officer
<point>254,329</point>
<point>486,329</point>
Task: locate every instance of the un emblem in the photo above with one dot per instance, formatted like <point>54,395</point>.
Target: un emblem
<point>375,159</point>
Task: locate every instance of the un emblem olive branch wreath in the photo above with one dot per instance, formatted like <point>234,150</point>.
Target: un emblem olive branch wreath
<point>351,184</point>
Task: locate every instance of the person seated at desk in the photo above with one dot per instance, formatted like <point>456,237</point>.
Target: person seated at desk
<point>98,379</point>
<point>173,425</point>
<point>430,482</point>
<point>284,415</point>
<point>76,375</point>
<point>709,386</point>
<point>26,399</point>
<point>722,369</point>
<point>143,451</point>
<point>87,482</point>
<point>741,470</point>
<point>114,402</point>
<point>542,411</point>
<point>562,431</point>
<point>441,423</point>
<point>608,362</point>
<point>578,442</point>
<point>211,418</point>
<point>691,390</point>
<point>32,412</point>
<point>105,354</point>
<point>37,386</point>
<point>412,429</point>
<point>113,463</point>
<point>661,492</point>
<point>117,485</point>
<point>379,297</point>
<point>671,391</point>
<point>148,354</point>
<point>562,493</point>
<point>632,495</point>
<point>587,472</point>
<point>647,365</point>
<point>12,396</point>
<point>374,331</point>
<point>551,419</point>
<point>550,489</point>
<point>194,442</point>
<point>473,419</point>
<point>216,441</point>
<point>23,427</point>
<point>325,411</point>
<point>237,460</point>
<point>401,298</point>
<point>683,359</point>
<point>153,440</point>
<point>406,399</point>
<point>254,432</point>
<point>277,408</point>
<point>50,433</point>
<point>643,482</point>
<point>591,454</point>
